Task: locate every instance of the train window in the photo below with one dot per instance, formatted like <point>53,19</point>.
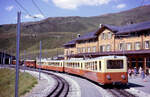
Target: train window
<point>99,65</point>
<point>95,65</point>
<point>114,64</point>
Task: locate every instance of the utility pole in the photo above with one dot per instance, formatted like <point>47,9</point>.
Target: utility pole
<point>17,53</point>
<point>40,60</point>
<point>24,60</point>
<point>4,58</point>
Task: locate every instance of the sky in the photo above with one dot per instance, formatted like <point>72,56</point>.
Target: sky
<point>61,8</point>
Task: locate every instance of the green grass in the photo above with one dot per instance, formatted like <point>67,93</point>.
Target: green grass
<point>7,83</point>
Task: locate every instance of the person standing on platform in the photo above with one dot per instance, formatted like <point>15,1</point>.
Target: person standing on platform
<point>140,70</point>
<point>130,72</point>
<point>143,74</point>
<point>135,71</point>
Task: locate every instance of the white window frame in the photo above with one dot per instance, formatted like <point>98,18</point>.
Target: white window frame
<point>89,49</point>
<point>129,46</point>
<point>147,44</point>
<point>94,48</point>
<point>122,48</point>
<point>84,50</point>
<point>102,49</point>
<point>102,37</point>
<point>79,50</point>
<point>137,45</point>
<point>109,35</point>
<point>108,47</point>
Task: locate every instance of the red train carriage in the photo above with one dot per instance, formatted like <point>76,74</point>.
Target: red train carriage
<point>30,63</point>
<point>14,62</point>
<point>54,65</point>
<point>104,70</point>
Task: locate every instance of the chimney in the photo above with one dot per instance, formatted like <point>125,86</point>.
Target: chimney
<point>78,35</point>
<point>100,25</point>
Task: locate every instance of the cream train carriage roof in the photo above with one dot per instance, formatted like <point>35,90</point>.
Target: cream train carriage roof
<point>81,59</point>
<point>97,58</point>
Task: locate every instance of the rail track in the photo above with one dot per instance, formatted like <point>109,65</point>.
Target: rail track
<point>61,87</point>
<point>120,93</point>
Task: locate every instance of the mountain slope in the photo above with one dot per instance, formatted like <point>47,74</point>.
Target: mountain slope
<point>58,30</point>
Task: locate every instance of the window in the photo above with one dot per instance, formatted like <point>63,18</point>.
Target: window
<point>148,62</point>
<point>108,48</point>
<point>105,36</point>
<point>129,46</point>
<point>147,44</point>
<point>114,64</point>
<point>121,46</point>
<point>71,52</point>
<point>78,50</point>
<point>100,65</point>
<point>83,49</point>
<point>102,48</point>
<point>109,35</point>
<point>89,49</point>
<point>66,52</point>
<point>94,48</point>
<point>137,46</point>
<point>102,37</point>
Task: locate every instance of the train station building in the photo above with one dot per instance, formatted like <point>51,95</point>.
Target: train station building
<point>132,40</point>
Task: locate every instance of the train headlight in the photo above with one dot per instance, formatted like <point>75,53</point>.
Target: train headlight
<point>123,77</point>
<point>108,77</point>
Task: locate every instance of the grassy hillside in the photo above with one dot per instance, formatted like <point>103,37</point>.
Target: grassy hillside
<point>7,83</point>
<point>54,32</point>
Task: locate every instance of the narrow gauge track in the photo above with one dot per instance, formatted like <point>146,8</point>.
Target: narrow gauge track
<point>120,93</point>
<point>61,88</point>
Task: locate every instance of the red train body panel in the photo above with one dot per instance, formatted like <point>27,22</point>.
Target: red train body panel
<point>30,63</point>
<point>100,77</point>
<point>53,68</point>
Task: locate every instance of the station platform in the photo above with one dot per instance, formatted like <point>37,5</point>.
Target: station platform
<point>140,85</point>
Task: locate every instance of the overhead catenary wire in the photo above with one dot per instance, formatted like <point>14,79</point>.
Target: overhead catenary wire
<point>25,10</point>
<point>22,7</point>
<point>38,8</point>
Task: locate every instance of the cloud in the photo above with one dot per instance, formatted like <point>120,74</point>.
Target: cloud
<point>9,8</point>
<point>121,6</point>
<point>46,1</point>
<point>27,16</point>
<point>39,16</point>
<point>74,4</point>
<point>36,15</point>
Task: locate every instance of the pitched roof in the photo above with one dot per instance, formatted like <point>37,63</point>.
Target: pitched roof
<point>89,35</point>
<point>112,28</point>
<point>134,27</point>
<point>72,42</point>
